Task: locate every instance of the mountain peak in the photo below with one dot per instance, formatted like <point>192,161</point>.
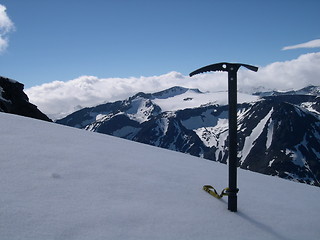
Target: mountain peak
<point>196,123</point>
<point>310,90</point>
<point>174,91</point>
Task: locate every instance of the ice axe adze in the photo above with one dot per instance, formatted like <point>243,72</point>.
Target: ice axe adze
<point>232,69</point>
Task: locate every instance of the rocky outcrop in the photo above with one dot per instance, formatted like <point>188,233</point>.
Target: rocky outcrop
<point>14,100</point>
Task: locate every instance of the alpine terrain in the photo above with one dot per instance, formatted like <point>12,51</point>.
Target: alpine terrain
<point>278,132</point>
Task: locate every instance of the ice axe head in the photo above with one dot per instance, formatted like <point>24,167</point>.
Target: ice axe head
<point>223,66</point>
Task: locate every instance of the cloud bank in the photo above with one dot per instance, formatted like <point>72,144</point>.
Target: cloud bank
<point>311,44</point>
<point>6,26</point>
<point>57,99</point>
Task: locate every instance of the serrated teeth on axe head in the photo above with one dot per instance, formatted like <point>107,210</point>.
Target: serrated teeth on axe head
<point>223,67</point>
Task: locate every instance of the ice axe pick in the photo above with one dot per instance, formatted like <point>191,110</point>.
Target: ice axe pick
<point>232,69</point>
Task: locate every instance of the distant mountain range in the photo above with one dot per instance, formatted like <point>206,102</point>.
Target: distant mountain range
<point>278,132</point>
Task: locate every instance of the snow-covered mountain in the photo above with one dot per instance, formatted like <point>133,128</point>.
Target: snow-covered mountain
<point>58,182</point>
<point>309,90</point>
<point>278,134</point>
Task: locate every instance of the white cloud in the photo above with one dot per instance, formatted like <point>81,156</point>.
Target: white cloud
<point>6,26</point>
<point>288,75</point>
<point>311,44</point>
<point>57,99</point>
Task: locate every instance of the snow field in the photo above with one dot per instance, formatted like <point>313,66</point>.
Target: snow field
<point>62,183</point>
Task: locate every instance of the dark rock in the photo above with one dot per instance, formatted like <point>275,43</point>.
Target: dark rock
<point>13,100</point>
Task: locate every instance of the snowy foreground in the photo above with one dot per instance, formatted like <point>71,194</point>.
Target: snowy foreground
<point>62,183</point>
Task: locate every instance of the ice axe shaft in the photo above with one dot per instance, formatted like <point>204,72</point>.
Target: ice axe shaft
<point>232,99</point>
<point>232,69</point>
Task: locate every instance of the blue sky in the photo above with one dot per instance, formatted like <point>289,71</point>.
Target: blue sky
<point>64,39</point>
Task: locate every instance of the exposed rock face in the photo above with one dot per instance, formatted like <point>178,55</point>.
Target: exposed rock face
<point>14,100</point>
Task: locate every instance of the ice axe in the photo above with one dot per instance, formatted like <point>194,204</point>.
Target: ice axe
<point>232,69</point>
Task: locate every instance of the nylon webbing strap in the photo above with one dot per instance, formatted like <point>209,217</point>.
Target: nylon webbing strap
<point>212,191</point>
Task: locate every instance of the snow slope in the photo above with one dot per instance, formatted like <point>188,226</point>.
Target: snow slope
<point>58,182</point>
<point>193,98</point>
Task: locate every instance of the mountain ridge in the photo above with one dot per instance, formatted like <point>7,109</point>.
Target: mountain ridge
<point>277,134</point>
